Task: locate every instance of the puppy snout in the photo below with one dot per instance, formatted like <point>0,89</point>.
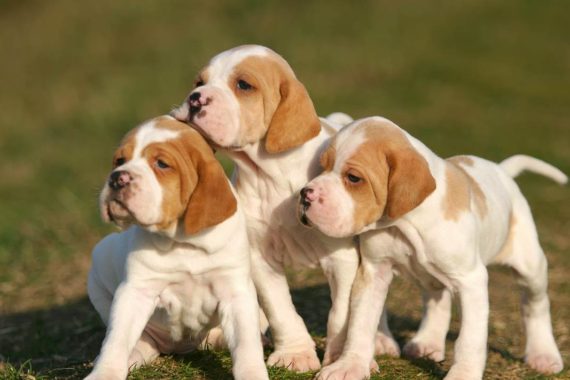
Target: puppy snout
<point>307,196</point>
<point>119,179</point>
<point>195,103</point>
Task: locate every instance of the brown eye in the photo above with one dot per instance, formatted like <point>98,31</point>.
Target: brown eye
<point>119,161</point>
<point>199,83</point>
<point>243,85</point>
<point>161,164</point>
<point>353,179</point>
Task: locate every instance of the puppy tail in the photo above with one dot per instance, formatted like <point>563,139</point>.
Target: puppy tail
<point>515,165</point>
<point>340,118</point>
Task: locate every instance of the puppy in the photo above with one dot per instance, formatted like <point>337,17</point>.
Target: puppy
<point>183,265</point>
<point>249,104</point>
<point>441,221</point>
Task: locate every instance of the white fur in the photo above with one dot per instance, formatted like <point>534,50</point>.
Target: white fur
<point>516,164</point>
<point>447,256</point>
<point>268,186</point>
<point>149,133</point>
<point>163,292</point>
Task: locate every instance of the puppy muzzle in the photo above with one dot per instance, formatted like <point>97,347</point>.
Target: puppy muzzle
<point>304,204</point>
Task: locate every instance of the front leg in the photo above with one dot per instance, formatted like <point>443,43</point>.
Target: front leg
<point>368,297</point>
<point>340,269</point>
<point>471,345</point>
<point>240,323</point>
<point>294,347</point>
<point>131,310</point>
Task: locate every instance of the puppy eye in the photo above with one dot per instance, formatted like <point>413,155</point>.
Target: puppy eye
<point>161,164</point>
<point>199,83</point>
<point>243,85</point>
<point>352,178</point>
<point>119,161</point>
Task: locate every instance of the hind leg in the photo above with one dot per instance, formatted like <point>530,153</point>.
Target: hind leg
<point>529,262</point>
<point>429,341</point>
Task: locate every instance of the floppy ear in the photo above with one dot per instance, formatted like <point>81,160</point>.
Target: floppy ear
<point>295,120</point>
<point>212,201</point>
<point>409,182</point>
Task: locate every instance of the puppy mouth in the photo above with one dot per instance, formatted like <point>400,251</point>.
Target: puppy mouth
<point>119,213</point>
<point>302,213</point>
<point>212,143</point>
<point>190,119</point>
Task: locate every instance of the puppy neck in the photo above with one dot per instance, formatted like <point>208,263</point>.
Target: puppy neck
<point>280,168</point>
<point>208,239</point>
<point>214,238</point>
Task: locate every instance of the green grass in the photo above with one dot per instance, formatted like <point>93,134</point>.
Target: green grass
<point>488,78</point>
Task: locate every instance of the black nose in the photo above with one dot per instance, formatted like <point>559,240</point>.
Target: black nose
<point>304,200</point>
<point>119,179</point>
<point>194,102</point>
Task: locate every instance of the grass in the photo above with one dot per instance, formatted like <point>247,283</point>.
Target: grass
<point>488,78</point>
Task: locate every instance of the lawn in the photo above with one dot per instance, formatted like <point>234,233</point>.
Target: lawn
<point>483,77</point>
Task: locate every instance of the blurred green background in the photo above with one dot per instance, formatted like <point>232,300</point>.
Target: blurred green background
<point>483,77</point>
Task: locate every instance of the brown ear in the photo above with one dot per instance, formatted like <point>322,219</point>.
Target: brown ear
<point>409,183</point>
<point>212,201</point>
<point>295,120</point>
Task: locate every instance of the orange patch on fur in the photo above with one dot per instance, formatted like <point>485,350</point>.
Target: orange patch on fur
<point>462,190</point>
<point>126,148</point>
<point>396,177</point>
<point>258,104</point>
<point>328,158</point>
<point>194,185</point>
<point>457,195</point>
<point>278,105</point>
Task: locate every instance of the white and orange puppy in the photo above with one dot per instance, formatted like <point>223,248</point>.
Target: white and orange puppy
<point>249,104</point>
<point>441,221</point>
<point>182,267</point>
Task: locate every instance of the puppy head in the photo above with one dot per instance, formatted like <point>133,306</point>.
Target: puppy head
<point>247,95</point>
<point>164,174</point>
<point>371,170</point>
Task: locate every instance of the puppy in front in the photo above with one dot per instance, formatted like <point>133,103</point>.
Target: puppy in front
<point>440,221</point>
<point>249,104</point>
<point>181,266</point>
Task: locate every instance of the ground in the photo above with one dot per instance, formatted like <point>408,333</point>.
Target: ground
<point>485,78</point>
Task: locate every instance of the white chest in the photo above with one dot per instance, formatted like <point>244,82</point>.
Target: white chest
<point>185,312</point>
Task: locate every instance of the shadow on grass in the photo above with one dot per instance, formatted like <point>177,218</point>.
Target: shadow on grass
<point>55,342</point>
<point>61,342</point>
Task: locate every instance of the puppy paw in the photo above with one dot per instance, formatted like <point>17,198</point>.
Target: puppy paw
<point>298,361</point>
<point>374,368</point>
<point>214,340</point>
<point>419,349</point>
<point>346,369</point>
<point>331,356</point>
<point>251,372</point>
<point>386,345</point>
<point>463,372</point>
<point>105,375</point>
<point>547,364</point>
